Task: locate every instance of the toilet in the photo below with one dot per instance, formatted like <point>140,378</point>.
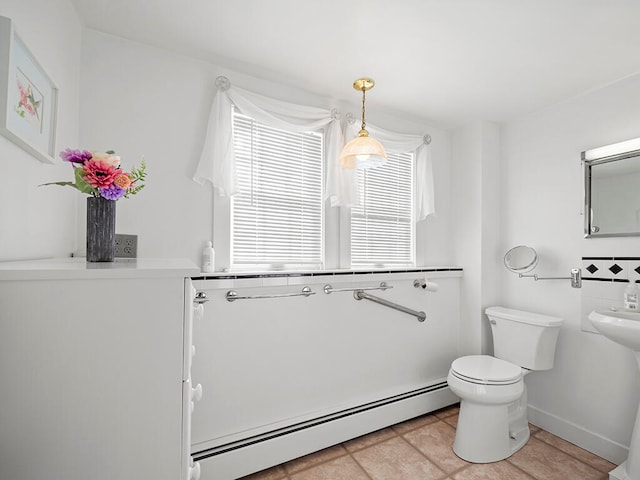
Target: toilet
<point>492,424</point>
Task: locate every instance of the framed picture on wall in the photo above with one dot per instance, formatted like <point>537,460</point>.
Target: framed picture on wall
<point>28,97</point>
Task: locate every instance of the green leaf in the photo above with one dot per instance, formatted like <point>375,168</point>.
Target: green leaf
<point>81,184</point>
<point>133,191</point>
<point>139,174</point>
<point>62,184</point>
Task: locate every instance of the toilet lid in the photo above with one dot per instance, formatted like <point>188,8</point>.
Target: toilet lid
<point>486,370</point>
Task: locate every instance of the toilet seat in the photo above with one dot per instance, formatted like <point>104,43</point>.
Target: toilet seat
<point>486,370</point>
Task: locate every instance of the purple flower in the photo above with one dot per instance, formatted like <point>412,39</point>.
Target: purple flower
<point>75,156</point>
<point>112,192</point>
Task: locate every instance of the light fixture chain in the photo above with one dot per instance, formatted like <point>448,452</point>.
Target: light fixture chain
<point>363,122</point>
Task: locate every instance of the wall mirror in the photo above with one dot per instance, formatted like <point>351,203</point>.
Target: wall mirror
<point>612,196</point>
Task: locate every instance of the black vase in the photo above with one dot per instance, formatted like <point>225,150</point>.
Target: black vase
<point>101,229</point>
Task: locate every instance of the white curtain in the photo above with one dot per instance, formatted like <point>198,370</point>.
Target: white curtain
<point>217,161</point>
<point>420,145</point>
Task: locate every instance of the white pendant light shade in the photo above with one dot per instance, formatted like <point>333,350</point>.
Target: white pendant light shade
<point>363,151</point>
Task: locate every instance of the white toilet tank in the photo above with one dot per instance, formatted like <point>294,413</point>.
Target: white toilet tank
<point>524,338</point>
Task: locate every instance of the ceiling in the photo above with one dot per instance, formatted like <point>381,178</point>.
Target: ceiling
<point>445,61</point>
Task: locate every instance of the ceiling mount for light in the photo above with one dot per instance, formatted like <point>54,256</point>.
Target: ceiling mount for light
<point>364,84</point>
<point>363,151</point>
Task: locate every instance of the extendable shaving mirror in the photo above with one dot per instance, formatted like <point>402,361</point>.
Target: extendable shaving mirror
<point>521,259</point>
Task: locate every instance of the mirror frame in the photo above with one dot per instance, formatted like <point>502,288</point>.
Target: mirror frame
<point>526,268</point>
<point>599,156</point>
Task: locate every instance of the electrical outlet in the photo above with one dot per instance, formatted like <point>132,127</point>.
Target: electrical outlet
<point>126,246</point>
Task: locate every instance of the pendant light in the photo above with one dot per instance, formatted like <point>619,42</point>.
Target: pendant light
<point>363,151</point>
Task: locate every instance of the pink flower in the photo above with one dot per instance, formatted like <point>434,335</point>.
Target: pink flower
<point>107,158</point>
<point>99,174</point>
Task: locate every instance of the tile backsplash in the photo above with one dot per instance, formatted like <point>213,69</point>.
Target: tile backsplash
<point>604,282</point>
<point>611,268</point>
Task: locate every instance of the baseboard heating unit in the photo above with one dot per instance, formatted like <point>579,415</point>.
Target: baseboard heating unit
<point>254,453</point>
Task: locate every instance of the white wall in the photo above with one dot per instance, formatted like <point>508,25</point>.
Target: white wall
<point>591,395</point>
<point>140,100</point>
<point>475,194</point>
<point>39,222</point>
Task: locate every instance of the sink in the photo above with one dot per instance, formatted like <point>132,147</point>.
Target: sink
<point>623,327</point>
<point>620,326</point>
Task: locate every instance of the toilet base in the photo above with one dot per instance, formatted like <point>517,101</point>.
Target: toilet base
<point>489,433</point>
<point>518,421</point>
<point>483,436</point>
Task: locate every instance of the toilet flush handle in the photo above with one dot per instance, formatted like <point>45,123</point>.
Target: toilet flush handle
<point>492,322</point>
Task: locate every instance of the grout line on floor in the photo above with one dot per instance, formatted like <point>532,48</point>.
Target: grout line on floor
<point>565,452</point>
<point>446,474</point>
<point>361,466</point>
<point>518,468</point>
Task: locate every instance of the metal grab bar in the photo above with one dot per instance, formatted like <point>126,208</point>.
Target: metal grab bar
<point>232,295</point>
<point>359,295</point>
<point>329,289</point>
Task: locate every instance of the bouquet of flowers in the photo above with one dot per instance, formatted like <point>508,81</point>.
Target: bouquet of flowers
<point>99,174</point>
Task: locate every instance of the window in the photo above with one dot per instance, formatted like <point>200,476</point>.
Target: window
<point>382,227</point>
<point>277,216</point>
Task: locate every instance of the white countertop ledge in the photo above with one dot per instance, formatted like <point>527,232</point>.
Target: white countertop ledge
<point>79,268</point>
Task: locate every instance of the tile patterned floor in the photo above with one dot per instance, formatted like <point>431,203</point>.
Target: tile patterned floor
<point>420,449</point>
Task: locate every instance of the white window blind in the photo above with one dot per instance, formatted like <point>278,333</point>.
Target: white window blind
<point>382,230</point>
<point>277,216</point>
